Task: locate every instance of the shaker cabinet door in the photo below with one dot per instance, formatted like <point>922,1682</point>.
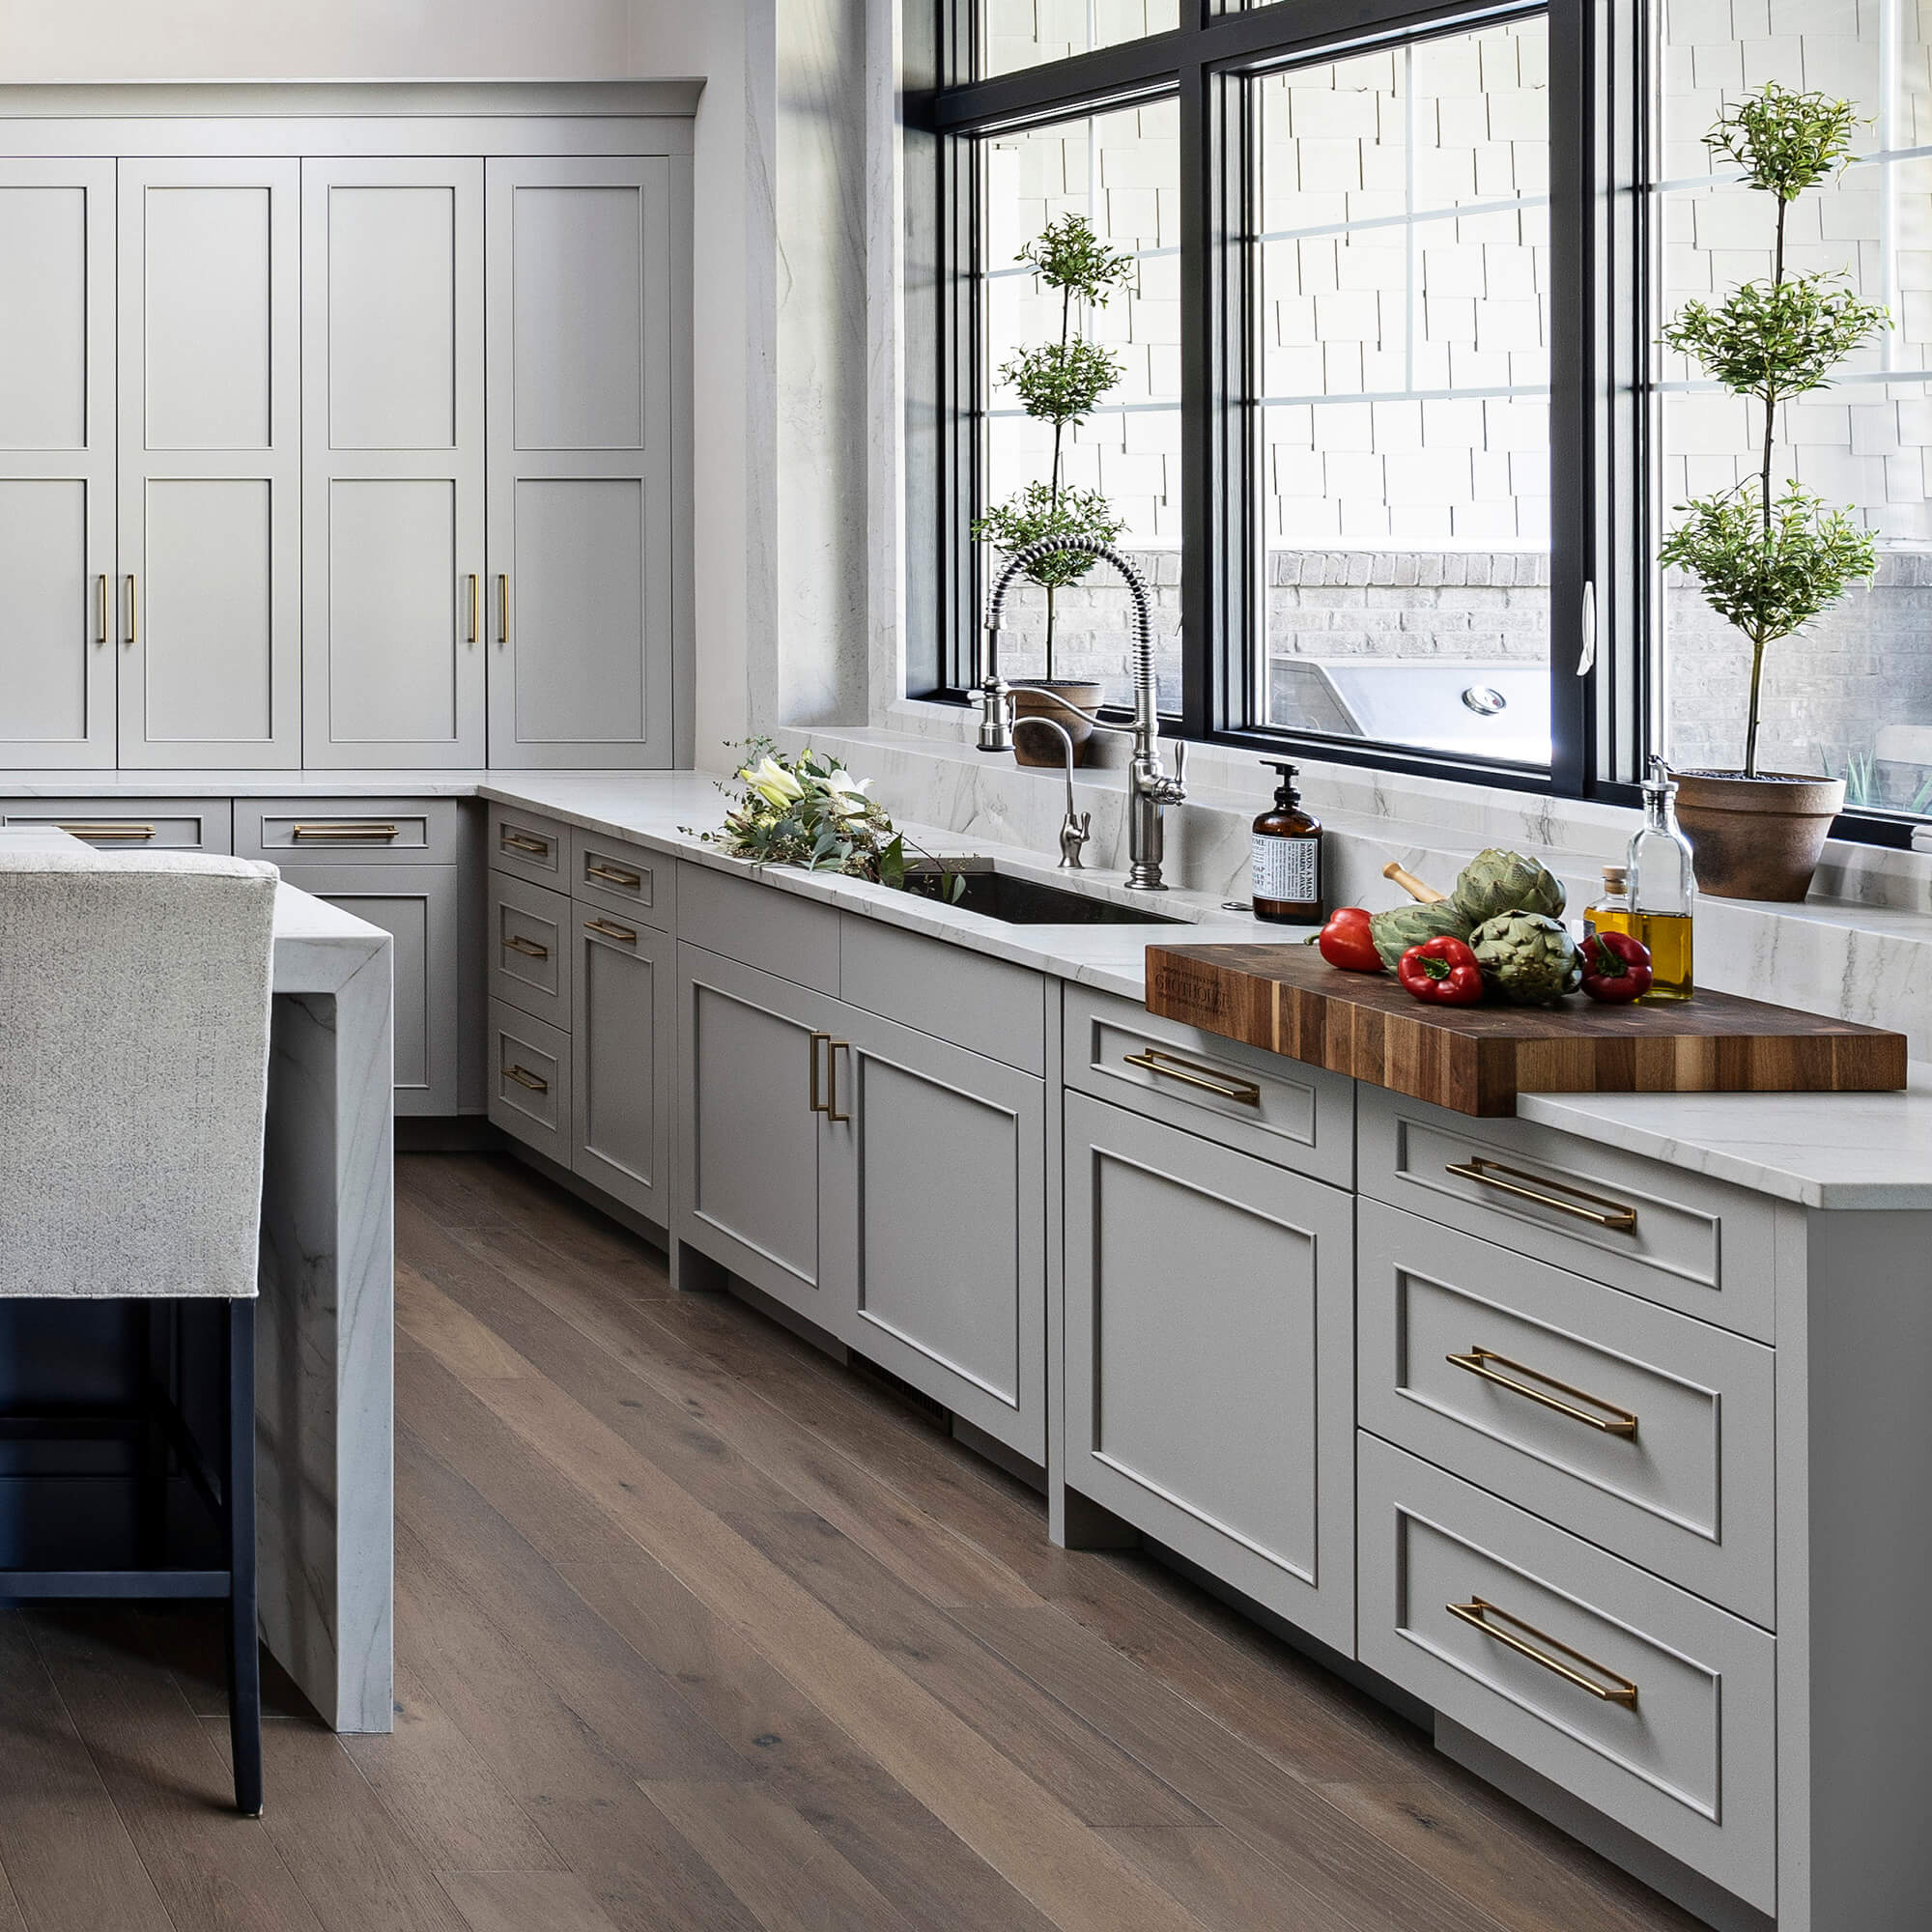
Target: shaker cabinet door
<point>392,462</point>
<point>1211,1358</point>
<point>624,1007</point>
<point>580,478</point>
<point>57,649</point>
<point>210,597</point>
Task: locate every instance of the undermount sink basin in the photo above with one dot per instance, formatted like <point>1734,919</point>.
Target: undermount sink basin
<point>1018,900</point>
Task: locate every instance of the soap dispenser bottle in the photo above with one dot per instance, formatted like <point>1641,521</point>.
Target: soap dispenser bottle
<point>1286,857</point>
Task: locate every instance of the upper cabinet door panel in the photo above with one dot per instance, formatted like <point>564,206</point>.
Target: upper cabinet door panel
<point>392,463</point>
<point>208,610</point>
<point>582,517</point>
<point>57,658</point>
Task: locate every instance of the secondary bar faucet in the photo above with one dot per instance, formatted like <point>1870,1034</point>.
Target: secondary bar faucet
<point>1150,787</point>
<point>1077,827</point>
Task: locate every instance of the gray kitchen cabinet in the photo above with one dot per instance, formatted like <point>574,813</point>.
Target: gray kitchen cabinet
<point>764,1158</point>
<point>57,650</point>
<point>394,658</point>
<point>133,824</point>
<point>1211,1358</point>
<point>940,1240</point>
<point>210,531</point>
<point>582,519</point>
<point>623,1012</point>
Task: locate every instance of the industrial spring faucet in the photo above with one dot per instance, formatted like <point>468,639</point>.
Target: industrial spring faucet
<point>1149,785</point>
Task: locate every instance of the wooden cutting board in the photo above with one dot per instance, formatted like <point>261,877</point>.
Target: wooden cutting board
<point>1288,1000</point>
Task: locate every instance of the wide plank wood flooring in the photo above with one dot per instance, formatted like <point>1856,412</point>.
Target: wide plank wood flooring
<point>698,1630</point>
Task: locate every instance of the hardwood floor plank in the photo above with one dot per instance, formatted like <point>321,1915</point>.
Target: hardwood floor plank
<point>809,1762</point>
<point>783,1871</point>
<point>70,1861</point>
<point>525,1902</point>
<point>430,1310</point>
<point>213,1871</point>
<point>437,1786</point>
<point>1219,1879</point>
<point>10,1918</point>
<point>356,1864</point>
<point>1023,1830</point>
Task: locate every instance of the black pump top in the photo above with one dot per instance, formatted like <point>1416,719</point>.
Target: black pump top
<point>1286,795</point>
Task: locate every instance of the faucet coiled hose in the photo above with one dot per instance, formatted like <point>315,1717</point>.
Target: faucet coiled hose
<point>1042,548</point>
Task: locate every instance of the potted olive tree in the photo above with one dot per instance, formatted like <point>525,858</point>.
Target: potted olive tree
<point>1770,563</point>
<point>1059,382</point>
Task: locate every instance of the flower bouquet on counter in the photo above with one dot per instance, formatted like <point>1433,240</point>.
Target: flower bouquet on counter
<point>807,810</point>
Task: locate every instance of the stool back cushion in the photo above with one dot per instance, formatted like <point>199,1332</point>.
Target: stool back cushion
<point>133,1073</point>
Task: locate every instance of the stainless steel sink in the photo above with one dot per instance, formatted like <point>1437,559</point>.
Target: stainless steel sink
<point>1016,899</point>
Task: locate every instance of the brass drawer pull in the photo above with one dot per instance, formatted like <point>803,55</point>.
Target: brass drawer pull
<point>475,609</point>
<point>1154,1060</point>
<point>133,631</point>
<point>812,1095</point>
<point>524,1077</point>
<point>831,1053</point>
<point>517,943</point>
<point>503,607</point>
<point>354,829</point>
<point>124,828</point>
<point>1597,1212</point>
<point>1613,1421</point>
<point>1619,1690</point>
<point>519,841</point>
<point>606,930</point>
<point>630,881</point>
<point>100,611</point>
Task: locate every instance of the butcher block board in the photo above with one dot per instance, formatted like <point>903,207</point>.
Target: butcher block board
<point>1288,1000</point>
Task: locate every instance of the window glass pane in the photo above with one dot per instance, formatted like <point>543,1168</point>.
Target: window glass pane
<point>1402,353</point>
<point>1120,172</point>
<point>1851,692</point>
<point>1023,33</point>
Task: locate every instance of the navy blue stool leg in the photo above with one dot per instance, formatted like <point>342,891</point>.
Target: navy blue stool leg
<point>245,1662</point>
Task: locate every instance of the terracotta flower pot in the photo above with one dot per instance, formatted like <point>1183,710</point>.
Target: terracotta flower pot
<point>1034,698</point>
<point>1757,838</point>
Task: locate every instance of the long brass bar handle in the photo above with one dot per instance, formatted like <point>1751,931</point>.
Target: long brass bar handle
<point>524,1077</point>
<point>630,881</point>
<point>114,829</point>
<point>517,943</point>
<point>503,607</point>
<point>100,608</point>
<point>606,930</point>
<point>831,1053</point>
<point>133,611</point>
<point>1619,1690</point>
<point>1154,1060</point>
<point>475,607</point>
<point>359,829</point>
<point>1597,1212</point>
<point>518,841</point>
<point>811,1047</point>
<point>1613,1421</point>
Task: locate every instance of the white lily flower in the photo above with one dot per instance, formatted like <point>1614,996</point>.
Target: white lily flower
<point>773,782</point>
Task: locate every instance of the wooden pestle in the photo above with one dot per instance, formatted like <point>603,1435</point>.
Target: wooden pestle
<point>1411,884</point>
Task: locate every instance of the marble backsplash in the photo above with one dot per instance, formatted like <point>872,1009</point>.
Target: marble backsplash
<point>1860,949</point>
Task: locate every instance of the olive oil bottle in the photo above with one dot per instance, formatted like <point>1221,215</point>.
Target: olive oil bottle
<point>1662,889</point>
<point>1612,912</point>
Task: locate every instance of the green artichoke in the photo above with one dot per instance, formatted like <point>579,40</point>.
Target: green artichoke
<point>1495,882</point>
<point>1527,958</point>
<point>1395,932</point>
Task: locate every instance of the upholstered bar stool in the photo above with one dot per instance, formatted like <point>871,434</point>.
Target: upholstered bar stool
<point>135,998</point>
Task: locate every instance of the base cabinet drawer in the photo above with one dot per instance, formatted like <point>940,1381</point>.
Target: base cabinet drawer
<point>529,846</point>
<point>528,1069</point>
<point>1645,1702</point>
<point>625,879</point>
<point>624,1008</point>
<point>411,831</point>
<point>133,824</point>
<point>529,948</point>
<point>1211,1358</point>
<point>1640,1430</point>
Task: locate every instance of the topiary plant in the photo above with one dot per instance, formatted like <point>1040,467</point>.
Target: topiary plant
<point>1062,382</point>
<point>1769,564</point>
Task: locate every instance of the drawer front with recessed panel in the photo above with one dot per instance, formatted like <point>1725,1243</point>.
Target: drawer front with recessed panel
<point>366,830</point>
<point>1642,1700</point>
<point>625,879</point>
<point>529,1081</point>
<point>529,846</point>
<point>1258,1104</point>
<point>1698,1245</point>
<point>133,824</point>
<point>1643,1430</point>
<point>529,948</point>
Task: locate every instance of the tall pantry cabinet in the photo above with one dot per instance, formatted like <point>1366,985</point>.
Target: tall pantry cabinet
<point>339,427</point>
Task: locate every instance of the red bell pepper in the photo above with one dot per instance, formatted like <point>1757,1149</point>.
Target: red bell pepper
<point>1345,942</point>
<point>1616,968</point>
<point>1442,971</point>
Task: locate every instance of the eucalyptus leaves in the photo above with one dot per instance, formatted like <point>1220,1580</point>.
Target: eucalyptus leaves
<point>1769,564</point>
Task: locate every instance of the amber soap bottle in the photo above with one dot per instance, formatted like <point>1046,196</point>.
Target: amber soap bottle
<point>1286,857</point>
